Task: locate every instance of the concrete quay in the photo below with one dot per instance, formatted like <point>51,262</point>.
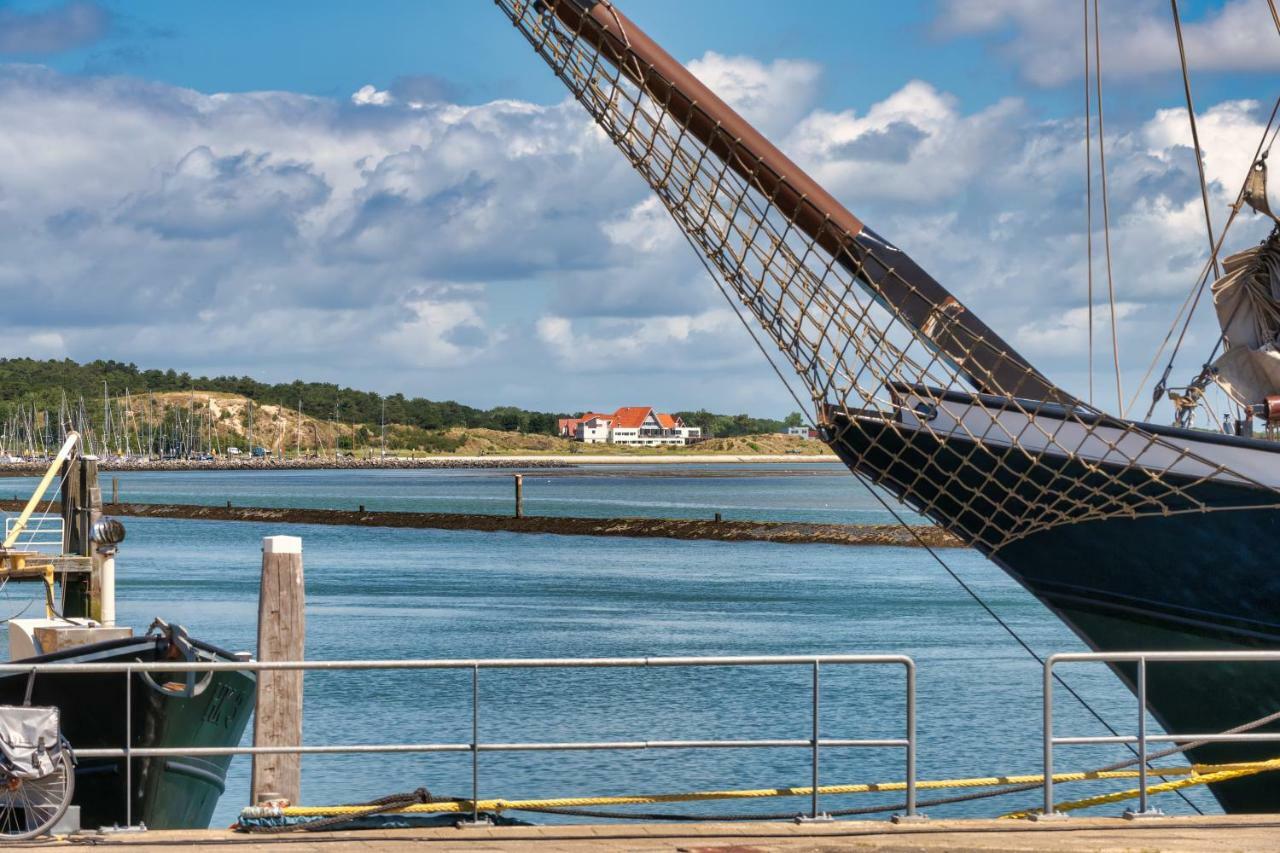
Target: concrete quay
<point>1228,833</point>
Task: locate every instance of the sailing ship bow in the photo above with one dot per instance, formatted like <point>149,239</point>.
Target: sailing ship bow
<point>912,390</point>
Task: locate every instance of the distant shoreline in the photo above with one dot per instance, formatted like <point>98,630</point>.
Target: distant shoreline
<point>26,469</point>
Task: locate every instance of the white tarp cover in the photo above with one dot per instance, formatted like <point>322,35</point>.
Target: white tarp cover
<point>1247,300</point>
<point>30,740</point>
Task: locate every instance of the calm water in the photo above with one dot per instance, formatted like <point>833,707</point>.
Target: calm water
<point>761,492</point>
<point>386,593</point>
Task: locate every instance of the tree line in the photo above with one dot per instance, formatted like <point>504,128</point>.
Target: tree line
<point>43,383</point>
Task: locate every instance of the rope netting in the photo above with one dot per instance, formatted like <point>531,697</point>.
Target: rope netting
<point>910,388</point>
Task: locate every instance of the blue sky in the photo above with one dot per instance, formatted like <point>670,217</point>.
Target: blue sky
<point>331,49</point>
<point>205,169</point>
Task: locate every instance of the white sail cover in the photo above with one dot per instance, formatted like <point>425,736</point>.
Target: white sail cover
<point>1247,300</point>
<point>30,740</point>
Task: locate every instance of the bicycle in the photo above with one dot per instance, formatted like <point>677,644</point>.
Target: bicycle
<point>37,771</point>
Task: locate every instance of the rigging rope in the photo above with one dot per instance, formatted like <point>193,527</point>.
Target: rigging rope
<point>1195,138</point>
<point>1088,189</point>
<point>870,487</point>
<point>1106,205</point>
<point>1197,289</point>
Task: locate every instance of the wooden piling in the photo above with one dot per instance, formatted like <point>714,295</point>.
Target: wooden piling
<point>115,490</point>
<point>277,720</point>
<point>519,495</point>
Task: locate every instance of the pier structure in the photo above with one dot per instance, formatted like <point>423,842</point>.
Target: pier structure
<point>1182,834</point>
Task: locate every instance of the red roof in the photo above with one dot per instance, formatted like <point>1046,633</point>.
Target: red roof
<point>631,417</point>
<point>666,421</point>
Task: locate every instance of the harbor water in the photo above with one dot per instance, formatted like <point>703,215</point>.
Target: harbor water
<point>395,593</point>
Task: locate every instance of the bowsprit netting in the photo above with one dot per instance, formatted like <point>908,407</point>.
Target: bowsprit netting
<point>909,387</point>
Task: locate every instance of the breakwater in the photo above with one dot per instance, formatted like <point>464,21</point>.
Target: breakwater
<point>667,528</point>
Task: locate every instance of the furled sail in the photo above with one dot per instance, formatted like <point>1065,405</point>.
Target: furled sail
<point>912,389</point>
<point>1247,299</point>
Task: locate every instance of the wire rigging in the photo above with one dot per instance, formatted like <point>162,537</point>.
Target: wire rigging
<point>1088,189</point>
<point>902,522</point>
<point>1106,205</point>
<point>1195,138</point>
<point>1197,289</point>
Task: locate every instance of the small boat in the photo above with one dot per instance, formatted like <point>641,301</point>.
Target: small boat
<point>106,710</point>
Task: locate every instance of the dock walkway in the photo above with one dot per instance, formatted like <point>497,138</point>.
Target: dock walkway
<point>1233,832</point>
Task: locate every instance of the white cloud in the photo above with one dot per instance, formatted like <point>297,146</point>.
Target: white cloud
<point>396,242</point>
<point>1043,37</point>
<point>914,144</point>
<point>443,333</point>
<point>711,340</point>
<point>370,96</point>
<point>1067,333</point>
<point>771,96</point>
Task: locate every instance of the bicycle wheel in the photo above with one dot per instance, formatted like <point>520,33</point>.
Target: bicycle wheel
<point>29,807</point>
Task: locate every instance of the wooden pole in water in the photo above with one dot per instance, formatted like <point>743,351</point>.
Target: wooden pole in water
<point>277,720</point>
<point>519,495</point>
<point>115,490</point>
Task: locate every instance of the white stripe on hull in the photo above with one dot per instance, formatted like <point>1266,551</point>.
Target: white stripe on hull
<point>1047,432</point>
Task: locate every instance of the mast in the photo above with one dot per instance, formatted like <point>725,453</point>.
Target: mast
<point>981,356</point>
<point>106,419</point>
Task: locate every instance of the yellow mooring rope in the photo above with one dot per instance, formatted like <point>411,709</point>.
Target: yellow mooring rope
<point>1196,774</point>
<point>1203,774</point>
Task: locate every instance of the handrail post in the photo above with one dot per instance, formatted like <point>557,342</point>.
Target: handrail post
<point>817,684</point>
<point>1142,735</point>
<point>128,747</point>
<point>911,738</point>
<point>475,744</point>
<point>1143,810</point>
<point>910,816</point>
<point>1048,737</point>
<point>815,747</point>
<point>1047,813</point>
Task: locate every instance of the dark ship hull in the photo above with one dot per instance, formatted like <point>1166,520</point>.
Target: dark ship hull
<point>167,711</point>
<point>1193,580</point>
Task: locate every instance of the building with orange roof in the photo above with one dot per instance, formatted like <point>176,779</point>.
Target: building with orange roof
<point>638,426</point>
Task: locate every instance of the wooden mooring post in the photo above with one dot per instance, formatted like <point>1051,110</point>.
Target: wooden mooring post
<point>519,495</point>
<point>115,490</point>
<point>277,720</point>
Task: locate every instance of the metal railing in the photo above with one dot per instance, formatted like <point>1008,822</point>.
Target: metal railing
<point>42,530</point>
<point>1141,738</point>
<point>815,743</point>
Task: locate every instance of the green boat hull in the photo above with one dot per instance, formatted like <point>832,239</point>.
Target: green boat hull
<point>204,710</point>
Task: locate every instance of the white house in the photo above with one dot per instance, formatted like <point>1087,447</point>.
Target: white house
<point>638,426</point>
